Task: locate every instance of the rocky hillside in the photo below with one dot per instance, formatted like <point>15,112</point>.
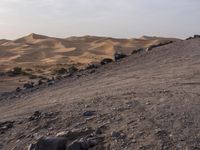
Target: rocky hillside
<point>147,101</point>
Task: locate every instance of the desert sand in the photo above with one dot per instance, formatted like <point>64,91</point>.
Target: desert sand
<point>41,55</point>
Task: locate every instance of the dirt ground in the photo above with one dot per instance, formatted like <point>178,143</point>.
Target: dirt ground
<point>150,98</point>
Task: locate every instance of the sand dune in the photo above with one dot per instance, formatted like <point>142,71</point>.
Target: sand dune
<point>45,55</point>
<point>39,50</point>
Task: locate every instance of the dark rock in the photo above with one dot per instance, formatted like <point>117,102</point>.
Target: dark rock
<point>51,143</point>
<point>106,61</point>
<point>4,126</point>
<point>51,82</point>
<point>118,135</point>
<point>196,36</point>
<point>98,131</point>
<point>62,143</point>
<point>119,56</point>
<point>18,89</point>
<point>115,134</point>
<point>37,115</point>
<point>88,113</point>
<point>79,139</point>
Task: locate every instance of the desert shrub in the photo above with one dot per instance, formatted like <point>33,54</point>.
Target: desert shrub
<point>29,69</point>
<point>72,69</point>
<point>61,71</point>
<point>15,71</point>
<point>119,56</point>
<point>106,61</point>
<point>91,66</point>
<point>33,77</point>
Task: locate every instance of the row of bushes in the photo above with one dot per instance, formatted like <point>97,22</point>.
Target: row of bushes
<point>17,71</point>
<point>70,70</point>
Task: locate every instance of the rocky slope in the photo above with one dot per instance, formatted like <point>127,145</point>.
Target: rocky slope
<point>147,101</point>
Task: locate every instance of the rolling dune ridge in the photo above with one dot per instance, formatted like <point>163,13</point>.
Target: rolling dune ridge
<point>43,55</point>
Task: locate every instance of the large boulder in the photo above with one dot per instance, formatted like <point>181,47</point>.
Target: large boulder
<point>4,126</point>
<point>77,139</point>
<point>51,143</point>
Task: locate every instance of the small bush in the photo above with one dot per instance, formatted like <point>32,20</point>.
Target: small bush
<point>15,71</point>
<point>33,77</point>
<point>91,66</point>
<point>106,61</point>
<point>29,69</point>
<point>72,69</point>
<point>61,71</point>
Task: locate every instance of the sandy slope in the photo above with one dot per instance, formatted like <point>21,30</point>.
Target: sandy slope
<point>39,50</point>
<point>150,97</point>
<point>43,54</point>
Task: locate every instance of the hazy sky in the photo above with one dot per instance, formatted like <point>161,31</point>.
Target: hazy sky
<point>116,18</point>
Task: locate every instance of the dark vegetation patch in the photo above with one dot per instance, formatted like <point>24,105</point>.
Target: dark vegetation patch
<point>194,37</point>
<point>106,61</point>
<point>16,71</point>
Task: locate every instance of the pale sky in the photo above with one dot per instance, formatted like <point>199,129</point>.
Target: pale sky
<point>115,18</point>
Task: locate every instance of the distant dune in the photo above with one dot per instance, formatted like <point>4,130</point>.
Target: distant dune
<point>39,50</point>
<point>43,56</point>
